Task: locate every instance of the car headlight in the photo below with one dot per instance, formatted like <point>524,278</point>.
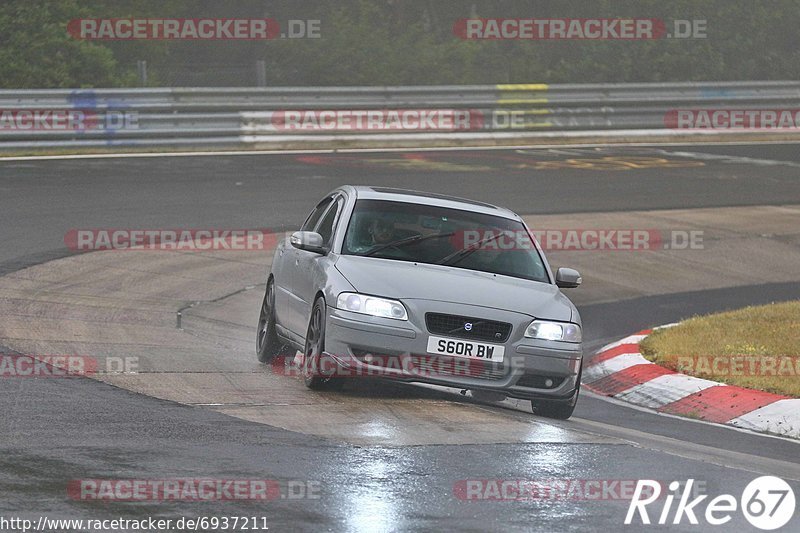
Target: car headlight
<point>554,331</point>
<point>371,305</point>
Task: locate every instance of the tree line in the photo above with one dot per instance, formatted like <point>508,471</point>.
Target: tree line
<point>396,42</point>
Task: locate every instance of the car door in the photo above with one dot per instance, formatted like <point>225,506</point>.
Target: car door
<point>284,265</point>
<point>308,274</point>
<point>302,263</point>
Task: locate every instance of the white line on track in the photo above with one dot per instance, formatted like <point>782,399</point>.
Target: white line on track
<point>620,403</point>
<point>368,150</point>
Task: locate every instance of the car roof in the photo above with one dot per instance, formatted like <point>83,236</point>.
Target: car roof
<point>429,198</point>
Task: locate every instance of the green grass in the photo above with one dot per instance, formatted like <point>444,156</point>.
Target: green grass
<point>755,347</point>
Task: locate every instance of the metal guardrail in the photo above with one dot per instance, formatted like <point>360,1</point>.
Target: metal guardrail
<point>240,116</point>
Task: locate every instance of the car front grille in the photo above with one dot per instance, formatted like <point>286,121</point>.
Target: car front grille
<point>457,326</point>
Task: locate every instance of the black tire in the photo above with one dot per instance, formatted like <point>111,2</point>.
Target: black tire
<point>558,409</point>
<point>268,344</point>
<point>314,348</point>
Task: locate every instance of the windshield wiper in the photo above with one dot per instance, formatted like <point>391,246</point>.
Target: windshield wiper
<point>464,252</point>
<point>407,240</point>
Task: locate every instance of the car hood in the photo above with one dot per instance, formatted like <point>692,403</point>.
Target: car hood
<point>406,280</point>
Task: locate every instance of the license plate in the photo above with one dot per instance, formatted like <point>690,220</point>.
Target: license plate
<point>465,348</point>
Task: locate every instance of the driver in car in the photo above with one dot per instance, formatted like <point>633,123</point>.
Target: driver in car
<point>382,231</point>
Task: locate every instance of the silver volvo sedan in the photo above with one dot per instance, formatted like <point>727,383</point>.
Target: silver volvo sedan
<point>423,287</point>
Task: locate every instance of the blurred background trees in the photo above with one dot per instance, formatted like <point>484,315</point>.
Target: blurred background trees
<point>408,42</point>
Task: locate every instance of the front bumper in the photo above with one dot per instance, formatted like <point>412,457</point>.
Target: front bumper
<point>358,345</point>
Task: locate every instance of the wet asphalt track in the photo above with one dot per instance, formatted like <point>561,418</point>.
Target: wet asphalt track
<point>56,430</point>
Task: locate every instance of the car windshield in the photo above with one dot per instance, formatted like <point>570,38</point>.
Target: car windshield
<point>438,235</point>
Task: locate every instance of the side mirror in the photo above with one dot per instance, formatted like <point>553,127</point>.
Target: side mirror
<point>308,241</point>
<point>568,278</point>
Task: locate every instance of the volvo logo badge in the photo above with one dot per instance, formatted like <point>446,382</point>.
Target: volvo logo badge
<point>468,326</point>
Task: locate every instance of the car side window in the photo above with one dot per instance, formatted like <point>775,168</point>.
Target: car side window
<point>328,223</point>
<point>316,214</point>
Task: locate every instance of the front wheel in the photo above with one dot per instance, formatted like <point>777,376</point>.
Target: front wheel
<point>268,344</point>
<point>558,409</point>
<point>314,349</point>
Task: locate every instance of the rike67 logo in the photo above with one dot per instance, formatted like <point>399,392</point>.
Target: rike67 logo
<point>767,502</point>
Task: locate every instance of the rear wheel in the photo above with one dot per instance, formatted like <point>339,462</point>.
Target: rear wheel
<point>558,409</point>
<point>268,344</point>
<point>314,349</point>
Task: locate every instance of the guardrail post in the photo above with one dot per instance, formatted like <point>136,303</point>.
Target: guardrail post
<point>261,73</point>
<point>141,67</point>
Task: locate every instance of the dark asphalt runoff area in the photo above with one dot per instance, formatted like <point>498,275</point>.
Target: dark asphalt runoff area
<point>56,430</point>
